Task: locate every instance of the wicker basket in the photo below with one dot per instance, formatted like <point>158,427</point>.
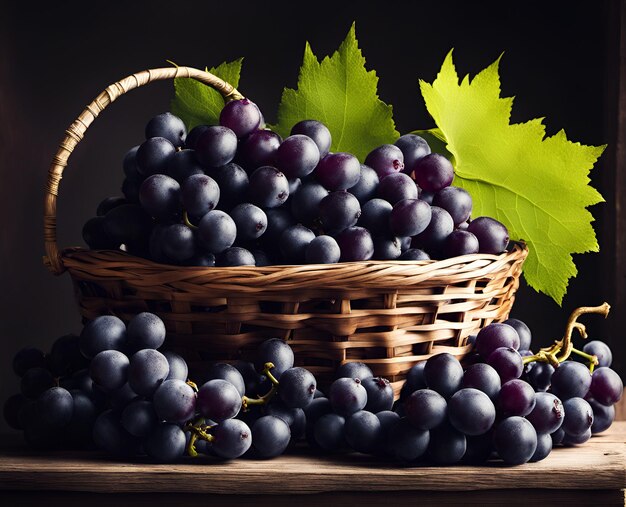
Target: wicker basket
<point>388,314</point>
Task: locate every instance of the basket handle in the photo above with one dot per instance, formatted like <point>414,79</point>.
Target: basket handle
<point>76,131</point>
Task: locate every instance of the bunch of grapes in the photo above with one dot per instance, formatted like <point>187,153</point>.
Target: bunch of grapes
<point>238,194</point>
<point>111,387</point>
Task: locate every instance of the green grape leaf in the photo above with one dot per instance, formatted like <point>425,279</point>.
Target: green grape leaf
<point>342,94</point>
<point>537,186</point>
<point>198,104</point>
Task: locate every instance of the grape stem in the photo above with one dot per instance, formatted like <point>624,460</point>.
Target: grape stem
<point>187,221</point>
<point>198,430</point>
<point>193,385</point>
<point>266,398</point>
<point>561,349</point>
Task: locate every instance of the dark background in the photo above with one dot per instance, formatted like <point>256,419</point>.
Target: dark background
<point>561,60</point>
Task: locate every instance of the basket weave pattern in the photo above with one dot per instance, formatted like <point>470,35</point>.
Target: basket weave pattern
<point>388,314</point>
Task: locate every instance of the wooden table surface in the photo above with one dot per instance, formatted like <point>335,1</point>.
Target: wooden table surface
<point>594,472</point>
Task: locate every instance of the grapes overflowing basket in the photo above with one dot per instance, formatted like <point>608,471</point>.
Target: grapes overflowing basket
<point>386,314</point>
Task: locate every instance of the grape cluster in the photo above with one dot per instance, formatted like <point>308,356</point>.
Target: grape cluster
<point>238,194</point>
<point>110,387</point>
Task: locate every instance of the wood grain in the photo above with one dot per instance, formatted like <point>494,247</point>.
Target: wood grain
<point>599,464</point>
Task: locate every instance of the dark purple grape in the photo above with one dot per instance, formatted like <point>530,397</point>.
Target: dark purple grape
<point>55,407</point>
<point>178,366</point>
<point>322,250</point>
<point>232,439</point>
<point>160,196</point>
<point>261,258</point>
<point>539,375</point>
<point>175,401</point>
<point>218,400</point>
<point>119,398</point>
<point>278,219</point>
<point>507,362</point>
<point>443,373</point>
<point>139,418</point>
<point>236,256</point>
<point>168,126</point>
<point>200,194</point>
<point>294,242</point>
<point>362,431</point>
<point>329,432</point>
<point>433,172</point>
<point>356,244</point>
<point>268,188</point>
<point>557,437</point>
<point>406,442</point>
<point>131,169</point>
<point>494,336</point>
<point>433,237</point>
<point>471,411</point>
<point>27,358</point>
<point>387,248</point>
<point>367,185</point>
<point>109,369</point>
<point>94,234</point>
<point>250,220</point>
<point>127,224</point>
<point>166,443</point>
<point>227,372</point>
<point>259,149</point>
<point>338,171</point>
<point>145,331</point>
<point>193,136</point>
<point>447,445</point>
<point>413,148</point>
<point>455,201</point>
<point>578,439</point>
<point>523,331</point>
<point>515,440</point>
<point>109,435</point>
<point>297,387</point>
<point>414,254</point>
<point>233,182</point>
<point>347,396</point>
<point>544,447</point>
<point>203,259</point>
<point>153,156</point>
<point>606,386</point>
<point>460,243</point>
<point>108,204</point>
<point>178,242</point>
<point>147,370</point>
<point>405,243</point>
<point>483,377</point>
<point>603,416</point>
<point>316,131</point>
<point>397,187</point>
<point>305,202</point>
<point>379,394</point>
<point>493,236</point>
<point>216,146</point>
<point>294,185</point>
<point>409,217</point>
<point>216,231</point>
<point>601,350</point>
<point>426,196</point>
<point>516,398</point>
<point>478,449</point>
<point>338,211</point>
<point>578,416</point>
<point>571,380</point>
<point>375,215</point>
<point>105,332</point>
<point>270,436</point>
<point>297,156</point>
<point>426,409</point>
<point>277,352</point>
<point>415,378</point>
<point>130,189</point>
<point>241,116</point>
<point>354,369</point>
<point>386,159</point>
<point>547,414</point>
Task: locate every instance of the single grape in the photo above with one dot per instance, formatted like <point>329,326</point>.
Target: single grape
<point>216,231</point>
<point>447,445</point>
<point>139,418</point>
<point>406,442</point>
<point>153,156</point>
<point>129,164</point>
<point>270,436</point>
<point>396,187</point>
<point>200,194</point>
<point>127,224</point>
<point>297,156</point>
<point>578,439</point>
<point>250,220</point>
<point>409,217</point>
<point>160,196</point>
<point>233,182</point>
<point>356,244</point>
<point>507,362</point>
<point>147,370</point>
<point>516,398</point>
<point>297,387</point>
<point>216,146</point>
<point>218,400</point>
<point>166,443</point>
<point>106,332</point>
<point>288,414</point>
<point>306,201</point>
<point>606,386</point>
<point>145,331</point>
<point>544,447</point>
<point>55,407</point>
<point>379,394</point>
<point>78,432</point>
<point>178,242</point>
<point>578,416</point>
<point>471,411</point>
<point>433,172</point>
<point>456,201</point>
<point>27,358</point>
<point>226,372</point>
<point>386,159</point>
<point>347,396</point>
<point>329,432</point>
<point>557,437</point>
<point>108,204</point>
<point>109,435</point>
<point>426,409</point>
<point>414,254</point>
<point>175,401</point>
<point>515,440</point>
<point>523,332</point>
<point>278,219</point>
<point>193,135</point>
<point>363,431</point>
<point>95,236</point>
<point>460,243</point>
<point>204,259</point>
<point>494,336</point>
<point>603,416</point>
<point>317,131</point>
<point>338,211</point>
<point>109,369</point>
<point>232,438</point>
<point>241,116</point>
<point>375,215</point>
<point>539,375</point>
<point>443,373</point>
<point>387,248</point>
<point>601,350</point>
<point>168,126</point>
<point>259,149</point>
<point>365,189</point>
<point>277,352</point>
<point>236,256</point>
<point>413,148</point>
<point>388,419</point>
<point>338,171</point>
<point>483,377</point>
<point>547,414</point>
<point>493,236</point>
<point>433,237</point>
<point>322,250</point>
<point>415,378</point>
<point>294,242</point>
<point>268,188</point>
<point>571,380</point>
<point>354,369</point>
